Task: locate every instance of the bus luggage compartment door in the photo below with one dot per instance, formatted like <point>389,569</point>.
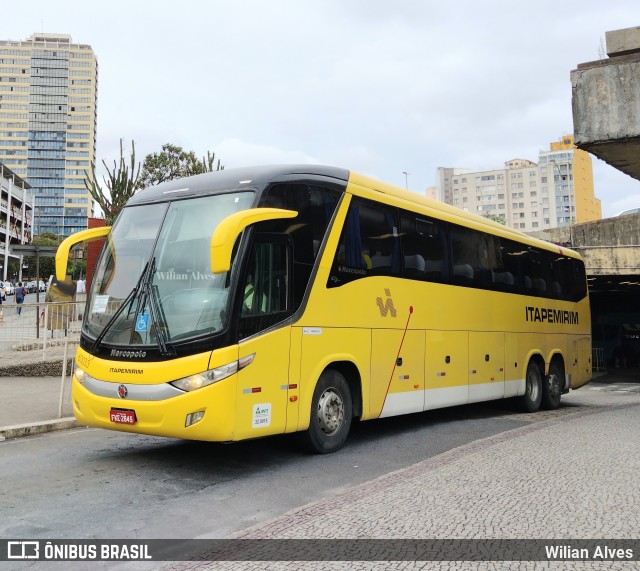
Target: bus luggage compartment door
<point>486,366</point>
<point>397,371</point>
<point>447,375</point>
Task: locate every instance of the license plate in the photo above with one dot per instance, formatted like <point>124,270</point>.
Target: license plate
<point>123,416</point>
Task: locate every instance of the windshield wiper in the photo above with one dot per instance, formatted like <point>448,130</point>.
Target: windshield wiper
<point>114,317</point>
<point>157,314</point>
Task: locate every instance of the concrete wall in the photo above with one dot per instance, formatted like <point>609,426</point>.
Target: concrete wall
<point>609,247</point>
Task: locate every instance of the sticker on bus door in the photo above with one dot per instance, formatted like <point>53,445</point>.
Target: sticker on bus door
<point>261,415</point>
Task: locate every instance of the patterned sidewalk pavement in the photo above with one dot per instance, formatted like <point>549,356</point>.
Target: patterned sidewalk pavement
<point>569,474</point>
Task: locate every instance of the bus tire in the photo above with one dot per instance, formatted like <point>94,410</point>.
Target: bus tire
<point>331,412</point>
<point>552,386</point>
<point>530,401</point>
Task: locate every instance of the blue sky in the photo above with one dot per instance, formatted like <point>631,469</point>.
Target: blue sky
<point>376,87</point>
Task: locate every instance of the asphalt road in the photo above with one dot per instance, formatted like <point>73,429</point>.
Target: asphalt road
<point>91,483</point>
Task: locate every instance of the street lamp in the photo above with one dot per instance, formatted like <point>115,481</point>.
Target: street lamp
<point>570,196</point>
<point>406,179</point>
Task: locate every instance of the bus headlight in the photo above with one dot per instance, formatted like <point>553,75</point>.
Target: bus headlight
<point>211,376</point>
<point>81,376</point>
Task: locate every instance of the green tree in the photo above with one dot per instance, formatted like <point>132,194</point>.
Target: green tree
<point>495,218</point>
<point>121,183</point>
<point>174,162</point>
<point>77,268</point>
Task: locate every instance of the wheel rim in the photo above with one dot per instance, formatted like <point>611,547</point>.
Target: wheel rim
<point>330,411</point>
<point>533,386</point>
<point>554,385</point>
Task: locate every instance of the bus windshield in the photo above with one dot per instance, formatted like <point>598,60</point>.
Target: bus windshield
<point>153,282</point>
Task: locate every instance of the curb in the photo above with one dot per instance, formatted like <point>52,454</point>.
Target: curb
<point>31,429</point>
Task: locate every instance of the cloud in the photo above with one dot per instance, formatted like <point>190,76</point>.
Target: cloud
<point>370,86</point>
<point>237,153</point>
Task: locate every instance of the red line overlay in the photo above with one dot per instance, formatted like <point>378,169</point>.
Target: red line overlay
<point>404,333</point>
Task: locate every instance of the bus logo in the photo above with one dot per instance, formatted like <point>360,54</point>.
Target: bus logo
<point>387,306</point>
<point>123,391</point>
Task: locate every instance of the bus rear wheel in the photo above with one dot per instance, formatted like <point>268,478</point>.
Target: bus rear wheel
<point>331,412</point>
<point>530,401</point>
<point>552,386</point>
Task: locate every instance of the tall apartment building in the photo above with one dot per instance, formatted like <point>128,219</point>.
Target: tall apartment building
<point>556,191</point>
<point>572,172</point>
<point>16,211</point>
<point>48,103</point>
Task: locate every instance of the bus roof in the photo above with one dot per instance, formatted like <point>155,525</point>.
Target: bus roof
<point>234,179</point>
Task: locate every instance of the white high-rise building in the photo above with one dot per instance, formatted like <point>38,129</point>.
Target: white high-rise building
<point>48,103</point>
<point>528,196</point>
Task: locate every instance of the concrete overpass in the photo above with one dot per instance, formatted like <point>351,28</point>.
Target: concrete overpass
<point>606,103</point>
<point>606,123</point>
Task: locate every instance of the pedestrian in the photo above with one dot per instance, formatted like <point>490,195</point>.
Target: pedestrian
<point>20,293</point>
<point>2,297</point>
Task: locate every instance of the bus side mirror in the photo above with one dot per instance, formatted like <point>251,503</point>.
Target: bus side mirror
<point>62,255</point>
<point>228,230</point>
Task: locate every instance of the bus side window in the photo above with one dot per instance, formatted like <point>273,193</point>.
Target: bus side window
<point>477,258</point>
<point>381,240</point>
<point>422,247</point>
<point>540,266</point>
<point>369,244</point>
<point>512,259</point>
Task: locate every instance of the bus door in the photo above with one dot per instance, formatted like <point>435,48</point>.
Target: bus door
<point>397,371</point>
<point>486,366</point>
<point>263,380</point>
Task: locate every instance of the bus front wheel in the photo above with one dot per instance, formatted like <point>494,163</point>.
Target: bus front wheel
<point>331,412</point>
<point>552,386</point>
<point>530,401</point>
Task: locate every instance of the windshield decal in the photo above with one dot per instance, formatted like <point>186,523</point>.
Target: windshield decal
<point>142,322</point>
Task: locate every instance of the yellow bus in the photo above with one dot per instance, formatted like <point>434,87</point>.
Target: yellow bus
<point>259,301</point>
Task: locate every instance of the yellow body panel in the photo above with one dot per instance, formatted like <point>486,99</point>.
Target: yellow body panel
<point>397,366</point>
<point>159,417</point>
<point>323,346</point>
<point>447,359</point>
<point>263,387</point>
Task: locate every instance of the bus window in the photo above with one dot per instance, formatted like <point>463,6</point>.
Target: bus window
<point>539,269</point>
<point>476,257</point>
<point>422,247</point>
<point>369,244</point>
<point>379,226</point>
<point>512,257</point>
<point>577,282</point>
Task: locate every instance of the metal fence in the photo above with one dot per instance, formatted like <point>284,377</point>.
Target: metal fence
<point>31,326</point>
<point>597,359</point>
